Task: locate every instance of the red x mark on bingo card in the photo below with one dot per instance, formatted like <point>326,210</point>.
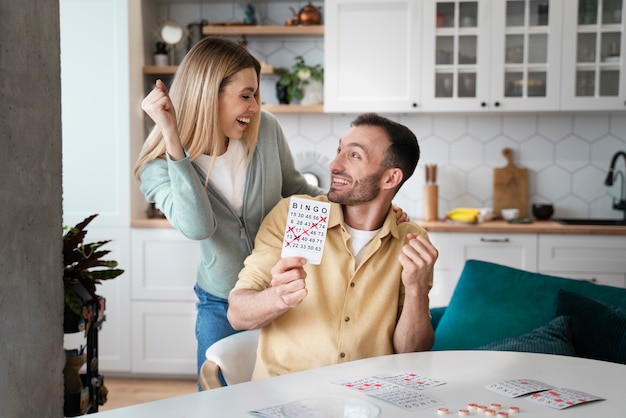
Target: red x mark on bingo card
<point>305,231</point>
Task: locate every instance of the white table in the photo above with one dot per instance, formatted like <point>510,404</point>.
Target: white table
<point>466,374</point>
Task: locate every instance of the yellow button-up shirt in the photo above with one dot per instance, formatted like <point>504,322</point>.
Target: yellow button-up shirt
<point>348,314</point>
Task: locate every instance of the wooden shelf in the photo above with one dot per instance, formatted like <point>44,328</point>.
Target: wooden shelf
<point>171,69</point>
<point>264,30</point>
<point>159,70</point>
<point>294,108</point>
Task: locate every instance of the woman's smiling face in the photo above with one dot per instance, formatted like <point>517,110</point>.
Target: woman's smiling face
<point>237,103</point>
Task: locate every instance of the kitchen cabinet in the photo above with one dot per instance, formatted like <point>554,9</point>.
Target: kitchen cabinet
<point>491,55</point>
<point>593,56</point>
<point>163,302</point>
<point>596,258</point>
<point>372,54</point>
<point>514,250</point>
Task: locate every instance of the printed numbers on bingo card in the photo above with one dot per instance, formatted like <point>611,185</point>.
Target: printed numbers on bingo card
<point>305,232</point>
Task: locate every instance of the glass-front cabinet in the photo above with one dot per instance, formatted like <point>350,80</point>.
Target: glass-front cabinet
<point>593,58</point>
<point>491,55</point>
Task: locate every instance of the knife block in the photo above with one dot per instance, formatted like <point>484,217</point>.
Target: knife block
<point>431,207</point>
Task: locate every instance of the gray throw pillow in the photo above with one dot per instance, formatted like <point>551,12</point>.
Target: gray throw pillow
<point>598,329</point>
<point>553,338</point>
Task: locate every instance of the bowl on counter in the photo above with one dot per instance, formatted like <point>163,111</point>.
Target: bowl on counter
<point>542,211</point>
<point>510,214</point>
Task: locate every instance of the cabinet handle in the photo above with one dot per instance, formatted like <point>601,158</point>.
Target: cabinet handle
<point>494,239</point>
<point>497,104</point>
<point>483,104</point>
<point>414,104</point>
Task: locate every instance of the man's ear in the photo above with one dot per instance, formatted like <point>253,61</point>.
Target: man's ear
<point>392,178</point>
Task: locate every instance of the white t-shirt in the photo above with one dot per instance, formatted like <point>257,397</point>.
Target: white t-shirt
<point>359,240</point>
<point>228,174</point>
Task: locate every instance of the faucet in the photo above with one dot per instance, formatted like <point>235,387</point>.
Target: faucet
<point>621,204</point>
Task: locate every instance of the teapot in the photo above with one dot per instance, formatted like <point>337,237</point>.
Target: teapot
<point>308,15</point>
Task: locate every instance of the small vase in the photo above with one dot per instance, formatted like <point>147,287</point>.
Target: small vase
<point>281,94</point>
<point>312,93</point>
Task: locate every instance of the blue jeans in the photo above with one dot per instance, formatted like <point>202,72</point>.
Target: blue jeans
<point>211,324</point>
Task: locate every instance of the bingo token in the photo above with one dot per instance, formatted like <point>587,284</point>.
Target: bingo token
<point>472,407</point>
<point>481,408</point>
<point>496,406</point>
<point>442,411</point>
<point>490,412</point>
<point>463,412</point>
<point>503,414</point>
<point>513,410</point>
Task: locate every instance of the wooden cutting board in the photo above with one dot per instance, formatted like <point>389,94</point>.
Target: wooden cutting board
<point>510,187</point>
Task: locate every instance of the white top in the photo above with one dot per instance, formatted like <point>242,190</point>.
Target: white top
<point>359,240</point>
<point>465,373</point>
<point>228,174</point>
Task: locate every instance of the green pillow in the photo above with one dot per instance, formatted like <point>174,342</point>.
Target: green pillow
<point>598,329</point>
<point>553,338</point>
<point>492,302</point>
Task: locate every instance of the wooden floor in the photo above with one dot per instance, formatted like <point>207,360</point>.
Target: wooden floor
<point>127,392</point>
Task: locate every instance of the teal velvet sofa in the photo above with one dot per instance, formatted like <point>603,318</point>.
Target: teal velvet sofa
<point>495,307</point>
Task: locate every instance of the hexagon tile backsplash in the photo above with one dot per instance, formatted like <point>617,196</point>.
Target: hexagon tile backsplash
<point>567,156</point>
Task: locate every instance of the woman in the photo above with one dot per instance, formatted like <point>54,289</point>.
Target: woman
<point>215,164</point>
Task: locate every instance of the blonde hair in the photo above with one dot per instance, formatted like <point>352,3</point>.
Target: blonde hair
<point>206,70</point>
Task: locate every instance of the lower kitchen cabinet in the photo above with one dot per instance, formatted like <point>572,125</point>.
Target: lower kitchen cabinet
<point>164,341</point>
<point>163,302</point>
<point>597,258</point>
<point>515,250</point>
<point>600,259</point>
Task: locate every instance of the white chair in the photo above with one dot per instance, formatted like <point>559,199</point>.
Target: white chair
<point>234,355</point>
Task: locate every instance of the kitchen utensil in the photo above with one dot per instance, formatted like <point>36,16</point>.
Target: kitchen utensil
<point>542,211</point>
<point>308,15</point>
<point>510,187</point>
<point>510,213</point>
<point>431,194</point>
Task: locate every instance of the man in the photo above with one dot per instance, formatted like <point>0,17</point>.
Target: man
<point>369,295</point>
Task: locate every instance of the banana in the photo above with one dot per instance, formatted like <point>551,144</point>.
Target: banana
<point>463,215</point>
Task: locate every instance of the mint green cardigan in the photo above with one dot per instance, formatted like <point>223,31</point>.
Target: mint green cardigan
<point>177,188</point>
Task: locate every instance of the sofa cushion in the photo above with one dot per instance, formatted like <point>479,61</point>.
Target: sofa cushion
<point>598,329</point>
<point>553,338</point>
<point>492,302</point>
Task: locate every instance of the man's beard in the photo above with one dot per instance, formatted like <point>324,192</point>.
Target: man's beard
<point>365,191</point>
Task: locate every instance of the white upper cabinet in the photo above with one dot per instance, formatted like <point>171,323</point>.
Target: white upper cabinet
<point>372,55</point>
<point>593,55</point>
<point>487,55</point>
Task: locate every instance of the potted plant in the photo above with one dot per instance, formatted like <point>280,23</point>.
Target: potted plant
<point>84,269</point>
<point>294,80</point>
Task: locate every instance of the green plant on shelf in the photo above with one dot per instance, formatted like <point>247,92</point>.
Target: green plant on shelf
<point>299,75</point>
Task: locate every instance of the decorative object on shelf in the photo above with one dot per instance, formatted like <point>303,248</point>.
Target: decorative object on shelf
<point>161,58</point>
<point>298,77</point>
<point>195,32</point>
<point>250,15</point>
<point>308,15</point>
<point>76,395</point>
<point>281,93</point>
<point>172,33</point>
<point>79,276</point>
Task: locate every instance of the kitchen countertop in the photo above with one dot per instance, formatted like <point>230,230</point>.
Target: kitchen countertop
<point>536,227</point>
<point>494,227</point>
